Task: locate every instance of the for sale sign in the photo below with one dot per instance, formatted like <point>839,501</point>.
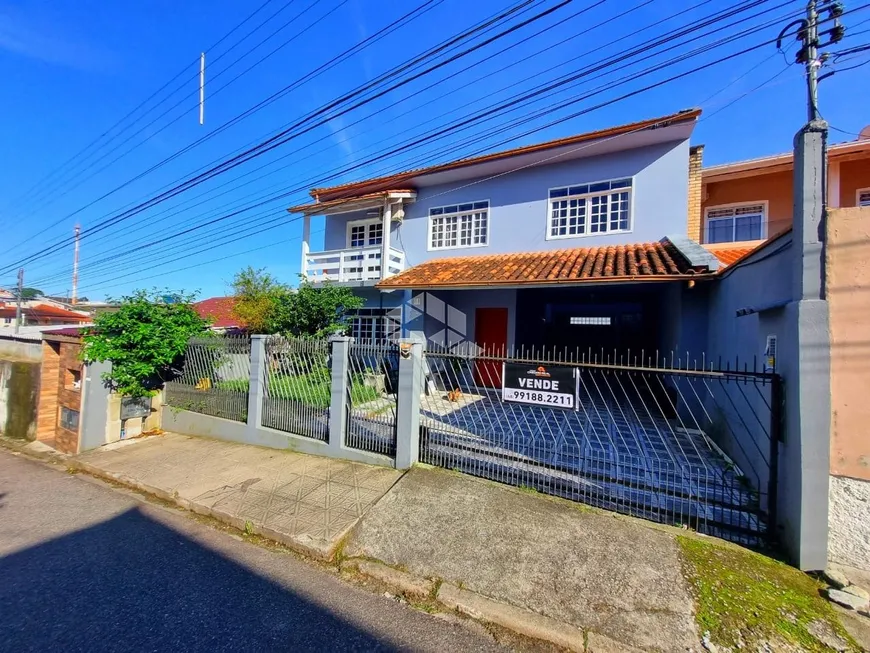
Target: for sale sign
<point>542,385</point>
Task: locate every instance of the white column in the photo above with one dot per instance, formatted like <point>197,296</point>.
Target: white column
<point>306,246</point>
<point>387,217</point>
<point>833,185</point>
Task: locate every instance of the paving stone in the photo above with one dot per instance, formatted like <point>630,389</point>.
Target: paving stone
<point>858,591</point>
<point>847,600</point>
<point>836,578</point>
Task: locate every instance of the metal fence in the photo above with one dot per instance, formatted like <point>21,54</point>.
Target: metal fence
<point>298,386</point>
<point>373,368</point>
<point>215,377</point>
<point>645,439</point>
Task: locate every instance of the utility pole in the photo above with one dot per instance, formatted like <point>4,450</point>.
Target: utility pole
<point>809,36</point>
<point>811,46</point>
<point>804,457</point>
<point>18,302</point>
<point>75,278</point>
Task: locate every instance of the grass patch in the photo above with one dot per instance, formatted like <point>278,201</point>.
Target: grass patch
<point>744,599</point>
<point>313,389</point>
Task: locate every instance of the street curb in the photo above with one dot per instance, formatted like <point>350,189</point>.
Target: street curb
<point>20,447</point>
<point>404,582</point>
<point>306,548</point>
<point>520,620</point>
<point>471,604</point>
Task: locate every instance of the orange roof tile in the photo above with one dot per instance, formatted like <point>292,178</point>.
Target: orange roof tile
<point>729,255</point>
<point>220,310</point>
<point>640,262</point>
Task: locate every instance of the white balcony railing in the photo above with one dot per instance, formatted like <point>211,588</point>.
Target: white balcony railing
<point>356,264</point>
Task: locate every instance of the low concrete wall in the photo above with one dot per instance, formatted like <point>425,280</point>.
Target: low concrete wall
<point>11,348</point>
<point>19,394</point>
<point>190,423</point>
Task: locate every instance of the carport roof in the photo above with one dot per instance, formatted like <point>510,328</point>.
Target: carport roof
<point>660,261</point>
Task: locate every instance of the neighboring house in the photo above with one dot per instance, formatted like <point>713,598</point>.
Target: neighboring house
<point>751,201</point>
<point>219,310</point>
<point>570,231</point>
<point>34,313</point>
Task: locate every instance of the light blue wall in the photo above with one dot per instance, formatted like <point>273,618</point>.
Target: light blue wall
<point>761,283</point>
<point>447,318</point>
<point>519,204</point>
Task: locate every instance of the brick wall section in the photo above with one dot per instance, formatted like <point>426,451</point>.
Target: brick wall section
<point>65,440</point>
<point>693,225</point>
<point>46,420</point>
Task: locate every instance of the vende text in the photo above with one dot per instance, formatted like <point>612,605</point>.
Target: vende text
<point>539,384</point>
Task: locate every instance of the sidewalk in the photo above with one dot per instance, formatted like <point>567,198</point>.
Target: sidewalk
<point>305,502</point>
<point>584,579</point>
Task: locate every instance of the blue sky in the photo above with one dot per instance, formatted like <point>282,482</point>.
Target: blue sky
<point>72,69</point>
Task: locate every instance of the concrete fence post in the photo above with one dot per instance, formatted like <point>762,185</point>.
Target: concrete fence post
<point>408,403</point>
<point>340,357</point>
<point>257,384</point>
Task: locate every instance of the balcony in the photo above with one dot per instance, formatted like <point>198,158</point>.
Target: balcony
<point>352,264</point>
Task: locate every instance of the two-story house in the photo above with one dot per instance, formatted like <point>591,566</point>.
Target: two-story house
<point>748,202</point>
<point>559,244</point>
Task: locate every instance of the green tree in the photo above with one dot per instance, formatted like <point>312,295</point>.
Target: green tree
<point>258,295</point>
<point>316,311</point>
<point>144,340</point>
<point>31,293</point>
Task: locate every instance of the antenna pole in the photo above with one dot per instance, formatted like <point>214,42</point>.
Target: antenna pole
<point>75,279</point>
<point>202,88</point>
<point>18,303</point>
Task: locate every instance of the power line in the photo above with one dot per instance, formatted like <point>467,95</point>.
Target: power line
<point>377,36</point>
<point>57,196</point>
<point>673,78</point>
<point>708,47</point>
<point>139,106</point>
<point>285,136</point>
<point>479,27</point>
<point>448,191</point>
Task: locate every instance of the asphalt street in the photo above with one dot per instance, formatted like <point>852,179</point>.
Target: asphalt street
<point>84,567</point>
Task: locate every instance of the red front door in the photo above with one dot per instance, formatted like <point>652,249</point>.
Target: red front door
<point>490,334</point>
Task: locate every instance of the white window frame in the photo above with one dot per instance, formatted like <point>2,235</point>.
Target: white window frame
<point>376,328</point>
<point>358,223</point>
<point>734,205</point>
<point>457,213</point>
<point>588,217</point>
<point>858,196</point>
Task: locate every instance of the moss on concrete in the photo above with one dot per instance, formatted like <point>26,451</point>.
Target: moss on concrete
<point>21,400</point>
<point>744,599</point>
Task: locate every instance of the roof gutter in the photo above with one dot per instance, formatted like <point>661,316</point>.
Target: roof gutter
<point>547,283</point>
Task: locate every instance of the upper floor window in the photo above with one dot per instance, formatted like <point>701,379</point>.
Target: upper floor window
<point>365,233</point>
<point>584,210</point>
<point>459,225</point>
<point>862,197</point>
<point>736,222</point>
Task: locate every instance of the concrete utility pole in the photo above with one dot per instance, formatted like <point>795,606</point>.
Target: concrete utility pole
<point>805,454</point>
<point>18,300</point>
